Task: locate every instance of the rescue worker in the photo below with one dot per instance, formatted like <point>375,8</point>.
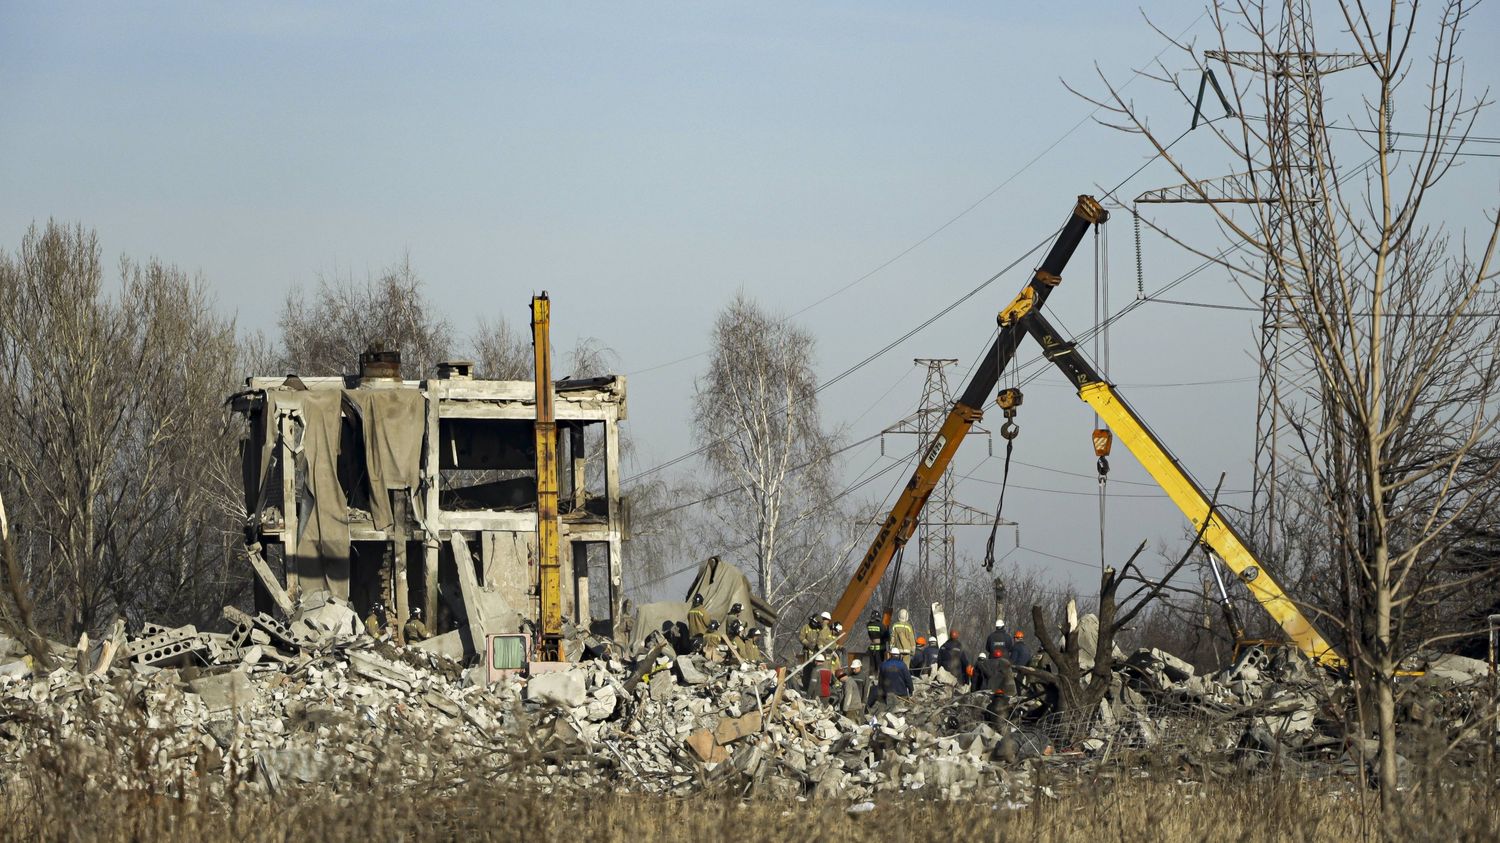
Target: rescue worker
<point>714,642</point>
<point>999,638</point>
<point>820,686</point>
<point>668,634</point>
<point>734,632</point>
<point>895,680</point>
<point>852,691</point>
<point>808,638</point>
<point>876,631</point>
<point>993,676</point>
<point>697,619</point>
<point>736,612</point>
<point>931,655</point>
<point>809,635</point>
<point>828,641</point>
<point>918,663</point>
<point>415,630</point>
<point>903,637</point>
<point>1020,651</point>
<point>953,658</point>
<point>375,621</point>
<point>750,648</point>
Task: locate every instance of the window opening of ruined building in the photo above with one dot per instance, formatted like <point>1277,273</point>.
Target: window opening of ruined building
<point>487,464</point>
<point>582,472</point>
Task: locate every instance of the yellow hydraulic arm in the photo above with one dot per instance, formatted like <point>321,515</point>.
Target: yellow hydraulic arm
<point>549,564</point>
<point>1220,537</point>
<point>968,409</point>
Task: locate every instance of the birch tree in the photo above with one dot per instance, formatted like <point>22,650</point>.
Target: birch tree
<point>768,455</point>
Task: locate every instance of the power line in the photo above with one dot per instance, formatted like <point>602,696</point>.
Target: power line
<point>941,313</point>
<point>1092,494</point>
<point>1245,308</point>
<point>956,217</point>
<point>867,360</point>
<point>848,490</point>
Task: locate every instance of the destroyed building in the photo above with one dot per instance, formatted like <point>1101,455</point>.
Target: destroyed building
<point>423,494</point>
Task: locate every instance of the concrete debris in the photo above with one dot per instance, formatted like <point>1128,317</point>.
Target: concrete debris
<point>559,689</point>
<point>318,701</point>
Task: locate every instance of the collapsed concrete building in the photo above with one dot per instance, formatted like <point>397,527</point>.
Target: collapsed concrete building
<point>423,493</point>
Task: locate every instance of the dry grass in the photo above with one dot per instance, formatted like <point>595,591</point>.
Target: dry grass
<point>1140,809</point>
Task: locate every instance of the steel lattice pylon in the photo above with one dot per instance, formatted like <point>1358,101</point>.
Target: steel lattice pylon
<point>934,538</point>
<point>1289,180</point>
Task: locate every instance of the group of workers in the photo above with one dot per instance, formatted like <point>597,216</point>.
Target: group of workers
<point>377,624</point>
<point>900,654</point>
<point>734,640</point>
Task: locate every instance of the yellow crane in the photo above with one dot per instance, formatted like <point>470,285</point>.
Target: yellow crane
<point>549,561</point>
<point>1023,317</point>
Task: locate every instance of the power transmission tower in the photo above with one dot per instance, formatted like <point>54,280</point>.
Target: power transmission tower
<point>1295,125</point>
<point>935,545</point>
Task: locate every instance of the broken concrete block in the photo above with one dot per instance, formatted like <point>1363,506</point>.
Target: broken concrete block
<point>1088,642</point>
<point>560,688</point>
<point>18,669</point>
<point>1170,668</point>
<point>224,691</point>
<point>601,704</point>
<point>442,703</point>
<point>1456,670</point>
<point>690,672</point>
<point>389,673</point>
<point>324,619</point>
<point>303,764</point>
<point>663,685</point>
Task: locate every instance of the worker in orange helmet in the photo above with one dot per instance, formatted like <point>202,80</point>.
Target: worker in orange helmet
<point>919,657</point>
<point>1020,651</point>
<point>953,658</point>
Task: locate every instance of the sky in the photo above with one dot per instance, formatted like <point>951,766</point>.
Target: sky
<point>859,165</point>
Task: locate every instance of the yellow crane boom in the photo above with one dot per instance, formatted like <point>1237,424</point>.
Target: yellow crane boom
<point>1219,535</point>
<point>549,562</point>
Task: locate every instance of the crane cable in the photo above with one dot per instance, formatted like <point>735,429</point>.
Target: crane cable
<point>890,592</point>
<point>1009,399</point>
<point>1101,435</point>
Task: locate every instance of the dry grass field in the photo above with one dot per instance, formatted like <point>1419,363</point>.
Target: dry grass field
<point>55,804</point>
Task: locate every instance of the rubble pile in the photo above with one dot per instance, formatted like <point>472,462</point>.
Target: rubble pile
<point>318,701</point>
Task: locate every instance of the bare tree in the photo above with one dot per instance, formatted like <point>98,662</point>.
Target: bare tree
<point>115,445</point>
<point>15,603</point>
<point>326,335</point>
<point>502,351</point>
<point>756,415</point>
<point>1077,681</point>
<point>1394,319</point>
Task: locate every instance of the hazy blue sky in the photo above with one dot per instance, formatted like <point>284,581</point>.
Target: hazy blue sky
<point>643,162</point>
